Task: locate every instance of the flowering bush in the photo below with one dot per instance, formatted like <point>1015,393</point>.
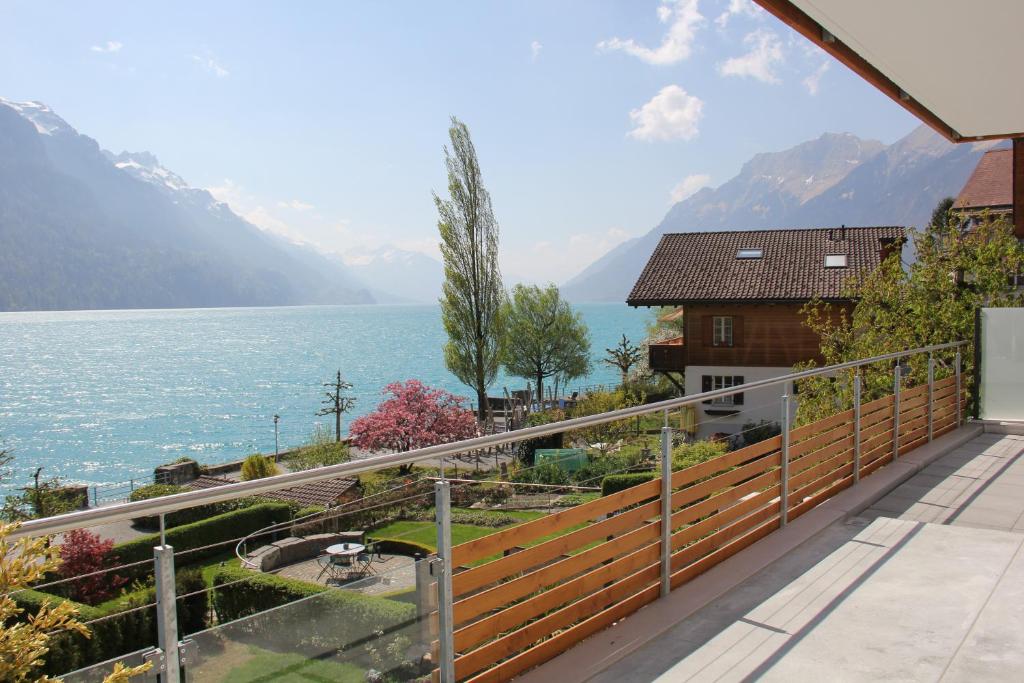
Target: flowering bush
<point>414,416</point>
<point>83,552</point>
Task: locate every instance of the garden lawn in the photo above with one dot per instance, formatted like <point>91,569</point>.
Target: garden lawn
<point>263,666</point>
<point>426,533</point>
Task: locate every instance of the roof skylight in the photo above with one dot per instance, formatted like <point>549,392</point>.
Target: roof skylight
<point>749,253</point>
<point>835,260</point>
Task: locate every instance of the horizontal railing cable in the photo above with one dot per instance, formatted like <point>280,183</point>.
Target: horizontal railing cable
<point>178,501</point>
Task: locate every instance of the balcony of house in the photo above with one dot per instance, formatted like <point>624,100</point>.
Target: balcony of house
<point>668,355</point>
<point>886,533</point>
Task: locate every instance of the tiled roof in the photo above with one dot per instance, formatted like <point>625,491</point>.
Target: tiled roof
<point>702,266</point>
<point>323,493</point>
<point>991,183</point>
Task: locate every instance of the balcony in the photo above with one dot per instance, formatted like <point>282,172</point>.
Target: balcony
<point>668,355</point>
<point>764,528</point>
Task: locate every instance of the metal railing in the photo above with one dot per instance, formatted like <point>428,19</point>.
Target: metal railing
<point>440,567</point>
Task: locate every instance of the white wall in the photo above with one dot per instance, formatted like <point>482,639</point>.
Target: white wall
<point>759,404</point>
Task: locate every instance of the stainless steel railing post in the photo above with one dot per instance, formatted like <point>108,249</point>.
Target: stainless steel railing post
<point>897,381</point>
<point>956,365</point>
<point>666,508</point>
<point>784,458</point>
<point>443,574</point>
<point>931,395</point>
<point>856,427</point>
<point>166,613</point>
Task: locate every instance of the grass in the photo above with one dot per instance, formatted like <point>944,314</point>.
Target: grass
<point>426,532</point>
<point>256,665</point>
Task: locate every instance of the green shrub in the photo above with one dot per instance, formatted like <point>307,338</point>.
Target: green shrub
<point>525,449</point>
<point>614,483</point>
<point>258,466</point>
<point>320,621</point>
<point>321,451</point>
<point>120,634</point>
<point>690,454</point>
<point>400,546</point>
<point>762,430</point>
<point>570,500</point>
<point>217,529</point>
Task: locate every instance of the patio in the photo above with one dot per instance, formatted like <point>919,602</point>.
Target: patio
<point>391,574</point>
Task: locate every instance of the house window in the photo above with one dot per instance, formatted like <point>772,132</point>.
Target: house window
<point>749,253</point>
<point>715,382</point>
<point>835,260</point>
<point>721,330</point>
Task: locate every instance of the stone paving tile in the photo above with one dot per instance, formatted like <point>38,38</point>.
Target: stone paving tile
<point>391,574</point>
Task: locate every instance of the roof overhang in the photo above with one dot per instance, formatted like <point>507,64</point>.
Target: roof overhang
<point>683,303</point>
<point>953,64</point>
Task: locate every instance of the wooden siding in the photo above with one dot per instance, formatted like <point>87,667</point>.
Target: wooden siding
<point>772,335</point>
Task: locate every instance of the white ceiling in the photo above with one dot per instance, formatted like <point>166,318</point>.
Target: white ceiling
<point>962,59</point>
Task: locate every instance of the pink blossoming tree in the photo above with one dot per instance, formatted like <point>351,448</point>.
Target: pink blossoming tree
<point>414,416</point>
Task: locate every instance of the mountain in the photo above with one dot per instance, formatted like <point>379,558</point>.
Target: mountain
<point>82,228</point>
<point>398,275</point>
<point>837,179</point>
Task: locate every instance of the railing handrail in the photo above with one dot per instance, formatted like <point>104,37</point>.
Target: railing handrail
<point>178,501</point>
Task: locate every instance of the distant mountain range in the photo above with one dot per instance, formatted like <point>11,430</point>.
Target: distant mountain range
<point>82,228</point>
<point>835,180</point>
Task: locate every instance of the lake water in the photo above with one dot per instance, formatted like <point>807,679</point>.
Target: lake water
<point>104,396</point>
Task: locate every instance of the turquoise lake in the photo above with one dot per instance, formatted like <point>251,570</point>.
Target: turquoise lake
<point>104,396</point>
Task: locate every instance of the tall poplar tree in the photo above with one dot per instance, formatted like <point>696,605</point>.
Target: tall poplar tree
<point>472,294</point>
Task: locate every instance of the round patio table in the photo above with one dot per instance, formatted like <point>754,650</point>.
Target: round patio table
<point>351,549</point>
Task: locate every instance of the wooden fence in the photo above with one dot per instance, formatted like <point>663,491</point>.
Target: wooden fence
<point>525,594</point>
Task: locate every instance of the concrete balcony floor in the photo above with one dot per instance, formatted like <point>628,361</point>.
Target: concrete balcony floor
<point>922,582</point>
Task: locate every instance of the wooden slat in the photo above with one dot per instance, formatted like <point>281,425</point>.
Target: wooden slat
<point>724,499</point>
<point>503,540</point>
<point>914,392</point>
<point>823,481</point>
<point>724,550</point>
<point>946,382</point>
<point>699,471</point>
<point>879,458</point>
<point>561,642</point>
<point>494,571</point>
<point>881,450</point>
<point>819,498</point>
<point>795,435</point>
<point>820,455</point>
<point>874,418</point>
<point>815,442</point>
<point>709,486</point>
<point>517,614</point>
<point>519,587</point>
<point>913,417</point>
<point>725,517</point>
<point>912,404</point>
<point>810,474</point>
<point>868,433</point>
<point>877,404</point>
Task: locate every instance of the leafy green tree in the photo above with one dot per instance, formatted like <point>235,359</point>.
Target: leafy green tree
<point>933,301</point>
<point>472,296</point>
<point>624,356</point>
<point>544,336</point>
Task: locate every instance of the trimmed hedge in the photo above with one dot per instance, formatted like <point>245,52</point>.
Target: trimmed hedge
<point>400,546</point>
<point>613,483</point>
<point>217,529</point>
<point>320,621</point>
<point>118,635</point>
<point>179,517</point>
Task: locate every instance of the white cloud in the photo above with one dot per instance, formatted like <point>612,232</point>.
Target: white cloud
<point>688,186</point>
<point>765,53</point>
<point>813,81</point>
<point>109,46</point>
<point>535,50</point>
<point>211,65</point>
<point>295,205</point>
<point>672,114</point>
<point>737,8</point>
<point>683,18</point>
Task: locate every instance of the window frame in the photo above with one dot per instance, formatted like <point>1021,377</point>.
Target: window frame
<point>845,261</point>
<point>749,253</point>
<point>728,330</point>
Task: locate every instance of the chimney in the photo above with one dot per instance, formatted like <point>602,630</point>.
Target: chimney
<point>842,233</point>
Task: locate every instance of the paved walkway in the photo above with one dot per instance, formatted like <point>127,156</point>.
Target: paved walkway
<point>391,574</point>
<point>927,584</point>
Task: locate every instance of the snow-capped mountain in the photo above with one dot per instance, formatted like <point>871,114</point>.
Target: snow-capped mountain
<point>84,228</point>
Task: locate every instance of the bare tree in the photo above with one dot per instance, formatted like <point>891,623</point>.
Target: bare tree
<point>337,403</point>
<point>472,295</point>
<point>624,356</point>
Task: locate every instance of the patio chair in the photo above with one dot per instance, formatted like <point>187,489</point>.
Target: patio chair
<point>335,566</point>
<point>364,562</point>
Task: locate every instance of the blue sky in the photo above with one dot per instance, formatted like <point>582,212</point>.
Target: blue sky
<point>326,120</point>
